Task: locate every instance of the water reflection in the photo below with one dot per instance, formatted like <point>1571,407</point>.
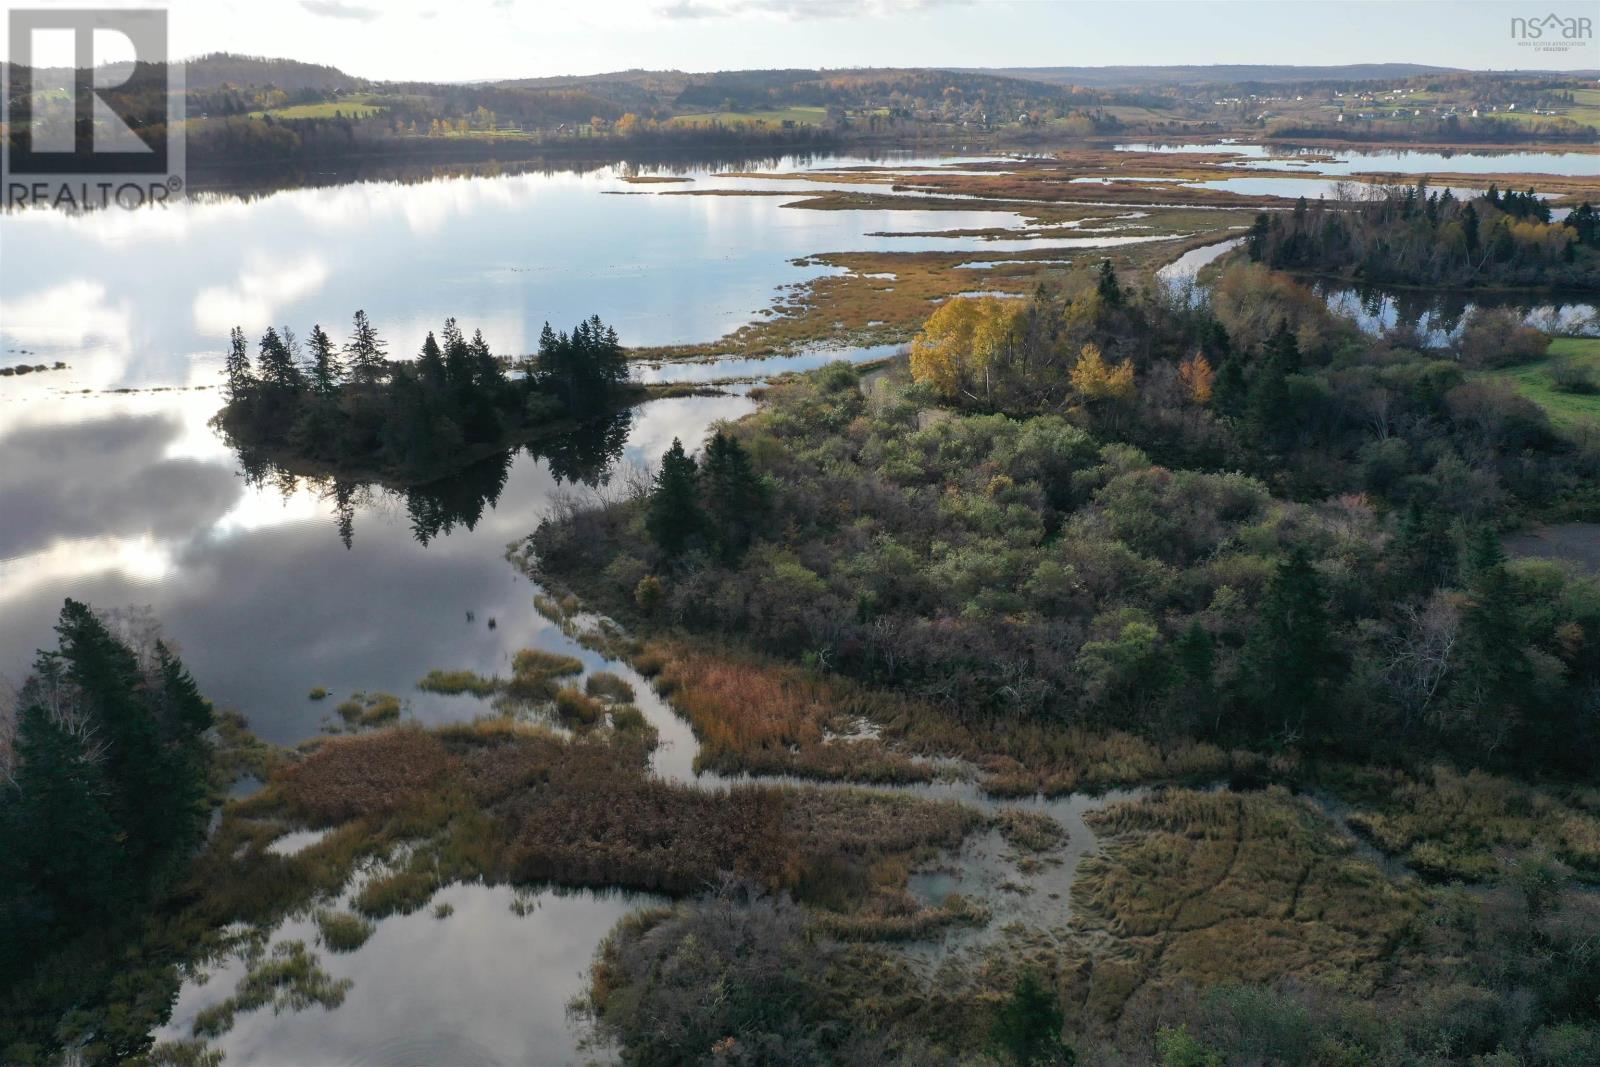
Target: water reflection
<point>1320,159</point>
<point>581,456</point>
<point>1436,317</point>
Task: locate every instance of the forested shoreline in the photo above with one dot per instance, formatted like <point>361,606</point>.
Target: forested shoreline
<point>354,412</point>
<point>1422,237</point>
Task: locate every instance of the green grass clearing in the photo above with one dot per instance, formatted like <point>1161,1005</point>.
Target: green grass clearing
<point>800,116</point>
<point>1568,411</point>
<point>350,109</point>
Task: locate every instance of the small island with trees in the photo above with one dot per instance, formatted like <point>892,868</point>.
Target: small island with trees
<point>318,408</point>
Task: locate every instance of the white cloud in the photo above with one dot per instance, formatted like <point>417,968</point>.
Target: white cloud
<point>334,9</point>
<point>253,301</point>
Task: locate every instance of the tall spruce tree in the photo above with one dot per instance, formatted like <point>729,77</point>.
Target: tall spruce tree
<point>1288,653</point>
<point>736,497</point>
<point>674,518</point>
<point>326,371</point>
<point>369,363</point>
<point>236,367</point>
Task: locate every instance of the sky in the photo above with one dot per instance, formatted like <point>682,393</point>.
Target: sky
<point>463,40</point>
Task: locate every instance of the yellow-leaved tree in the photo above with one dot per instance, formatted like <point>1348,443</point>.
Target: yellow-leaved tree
<point>957,347</point>
<point>1197,377</point>
<point>1095,379</point>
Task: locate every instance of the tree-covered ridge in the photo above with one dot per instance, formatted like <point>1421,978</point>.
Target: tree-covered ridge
<point>1120,511</point>
<point>1415,236</point>
<point>355,409</point>
<point>103,773</point>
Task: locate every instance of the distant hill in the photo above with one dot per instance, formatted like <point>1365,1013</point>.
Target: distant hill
<point>1226,74</point>
<point>775,88</point>
<point>223,68</point>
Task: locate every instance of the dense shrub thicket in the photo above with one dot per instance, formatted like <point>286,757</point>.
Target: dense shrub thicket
<point>1243,523</point>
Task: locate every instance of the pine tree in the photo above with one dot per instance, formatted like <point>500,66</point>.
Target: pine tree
<point>1027,1026</point>
<point>1288,651</point>
<point>1424,551</point>
<point>1196,655</point>
<point>1256,242</point>
<point>736,496</point>
<point>430,363</point>
<point>1108,288</point>
<point>674,518</point>
<point>61,829</point>
<point>1270,414</point>
<point>457,360</point>
<point>326,371</point>
<point>369,362</point>
<point>486,368</point>
<point>276,362</point>
<point>236,366</point>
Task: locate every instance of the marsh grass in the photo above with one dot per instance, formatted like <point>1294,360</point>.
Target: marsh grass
<point>289,978</point>
<point>1472,826</point>
<point>454,683</point>
<point>575,709</point>
<point>343,932</point>
<point>364,710</point>
<point>628,719</point>
<point>763,717</point>
<point>317,693</point>
<point>1194,887</point>
<point>1031,830</point>
<point>399,892</point>
<point>607,686</point>
<point>550,664</point>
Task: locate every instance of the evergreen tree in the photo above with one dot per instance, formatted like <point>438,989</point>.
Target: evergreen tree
<point>1288,652</point>
<point>1107,286</point>
<point>736,496</point>
<point>457,360</point>
<point>276,362</point>
<point>1424,551</point>
<point>59,826</point>
<point>490,376</point>
<point>1028,1024</point>
<point>674,518</point>
<point>1196,655</point>
<point>236,366</point>
<point>430,363</point>
<point>327,371</point>
<point>1271,416</point>
<point>155,802</point>
<point>369,362</point>
<point>1494,658</point>
<point>1256,241</point>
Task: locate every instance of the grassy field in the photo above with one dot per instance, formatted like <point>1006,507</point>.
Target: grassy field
<point>1567,410</point>
<point>354,109</point>
<point>800,116</point>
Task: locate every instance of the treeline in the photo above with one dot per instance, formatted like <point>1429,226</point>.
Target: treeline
<point>1416,236</point>
<point>1451,129</point>
<point>1071,540</point>
<point>226,140</point>
<point>103,774</point>
<point>352,408</point>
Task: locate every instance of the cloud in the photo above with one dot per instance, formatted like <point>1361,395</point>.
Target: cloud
<point>337,9</point>
<point>795,10</point>
<point>261,289</point>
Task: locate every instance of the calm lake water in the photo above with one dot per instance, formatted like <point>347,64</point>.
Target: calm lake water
<point>1397,160</point>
